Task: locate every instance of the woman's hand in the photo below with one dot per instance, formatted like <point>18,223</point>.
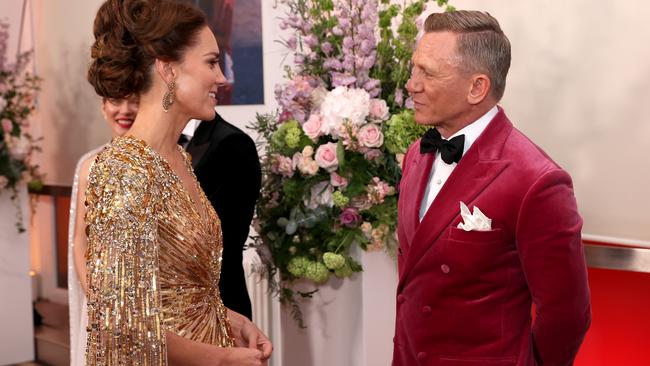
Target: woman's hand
<point>248,335</point>
<point>185,352</point>
<point>241,356</point>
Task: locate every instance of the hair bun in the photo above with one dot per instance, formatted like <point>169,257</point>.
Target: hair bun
<point>131,34</point>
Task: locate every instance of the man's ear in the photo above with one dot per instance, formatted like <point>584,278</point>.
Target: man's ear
<point>166,70</point>
<point>479,89</point>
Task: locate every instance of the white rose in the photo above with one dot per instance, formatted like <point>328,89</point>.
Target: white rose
<point>309,168</point>
<point>304,163</point>
<point>308,151</point>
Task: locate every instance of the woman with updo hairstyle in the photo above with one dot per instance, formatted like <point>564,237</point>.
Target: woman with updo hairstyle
<point>154,242</point>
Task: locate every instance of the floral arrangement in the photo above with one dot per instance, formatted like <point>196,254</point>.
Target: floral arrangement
<point>333,150</point>
<point>17,101</point>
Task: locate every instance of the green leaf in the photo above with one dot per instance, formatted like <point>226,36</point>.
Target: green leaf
<point>340,154</point>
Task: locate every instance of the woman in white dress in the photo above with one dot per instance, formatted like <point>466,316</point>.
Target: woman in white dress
<point>119,115</point>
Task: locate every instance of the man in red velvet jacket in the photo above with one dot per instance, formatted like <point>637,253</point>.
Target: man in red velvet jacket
<point>467,283</point>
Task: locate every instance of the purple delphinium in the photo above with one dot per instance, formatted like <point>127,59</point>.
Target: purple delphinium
<point>357,20</point>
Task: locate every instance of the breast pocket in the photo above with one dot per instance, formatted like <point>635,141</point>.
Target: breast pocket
<point>478,257</point>
<point>475,237</point>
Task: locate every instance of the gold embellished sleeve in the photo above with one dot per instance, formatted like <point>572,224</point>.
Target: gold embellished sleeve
<point>124,302</point>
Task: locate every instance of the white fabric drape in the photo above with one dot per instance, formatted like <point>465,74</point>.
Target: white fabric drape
<point>76,296</point>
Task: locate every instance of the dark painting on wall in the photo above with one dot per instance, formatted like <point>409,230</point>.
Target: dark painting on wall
<point>237,25</point>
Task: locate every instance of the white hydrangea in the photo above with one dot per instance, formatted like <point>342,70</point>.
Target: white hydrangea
<point>343,104</point>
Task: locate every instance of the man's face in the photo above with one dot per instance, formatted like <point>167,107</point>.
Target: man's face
<point>438,86</point>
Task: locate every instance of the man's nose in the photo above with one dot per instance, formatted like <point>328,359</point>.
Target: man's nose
<point>412,85</point>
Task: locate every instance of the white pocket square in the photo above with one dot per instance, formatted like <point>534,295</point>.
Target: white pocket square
<point>475,221</point>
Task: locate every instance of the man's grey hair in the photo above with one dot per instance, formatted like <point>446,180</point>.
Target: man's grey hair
<point>482,45</point>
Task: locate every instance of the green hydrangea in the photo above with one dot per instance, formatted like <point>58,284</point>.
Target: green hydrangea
<point>345,271</point>
<point>333,261</point>
<point>292,138</point>
<point>286,134</point>
<point>401,130</point>
<point>339,199</point>
<point>317,272</point>
<point>298,266</point>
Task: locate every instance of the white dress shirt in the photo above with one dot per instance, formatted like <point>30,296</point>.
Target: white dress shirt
<point>191,126</point>
<point>441,171</point>
<point>188,132</point>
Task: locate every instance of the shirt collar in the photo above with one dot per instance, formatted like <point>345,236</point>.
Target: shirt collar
<point>474,129</point>
<point>191,126</point>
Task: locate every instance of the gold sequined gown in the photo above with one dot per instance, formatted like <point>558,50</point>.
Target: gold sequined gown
<point>153,257</point>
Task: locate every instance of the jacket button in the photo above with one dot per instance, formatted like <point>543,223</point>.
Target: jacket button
<point>422,356</point>
<point>426,310</point>
<point>400,298</point>
<point>444,268</point>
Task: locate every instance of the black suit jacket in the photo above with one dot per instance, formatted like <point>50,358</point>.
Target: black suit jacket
<point>227,166</point>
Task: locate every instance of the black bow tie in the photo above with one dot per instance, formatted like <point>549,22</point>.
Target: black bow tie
<point>450,150</point>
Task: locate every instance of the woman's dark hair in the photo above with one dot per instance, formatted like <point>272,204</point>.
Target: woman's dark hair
<point>131,34</point>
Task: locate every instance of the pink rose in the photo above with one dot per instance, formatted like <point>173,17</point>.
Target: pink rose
<point>370,135</point>
<point>312,127</point>
<point>338,181</point>
<point>350,217</point>
<point>326,157</point>
<point>379,109</point>
<point>372,154</point>
<point>7,126</point>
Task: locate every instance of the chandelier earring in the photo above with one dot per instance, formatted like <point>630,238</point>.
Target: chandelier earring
<point>169,97</point>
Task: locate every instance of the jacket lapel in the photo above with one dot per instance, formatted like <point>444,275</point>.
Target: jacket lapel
<point>420,166</point>
<point>480,165</point>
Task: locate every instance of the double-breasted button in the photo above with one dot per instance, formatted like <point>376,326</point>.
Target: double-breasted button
<point>401,298</point>
<point>422,356</point>
<point>426,310</point>
<point>444,268</point>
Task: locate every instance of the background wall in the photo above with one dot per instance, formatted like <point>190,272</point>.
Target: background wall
<point>578,86</point>
<point>16,331</point>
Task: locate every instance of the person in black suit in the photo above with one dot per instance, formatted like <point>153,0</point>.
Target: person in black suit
<point>227,166</point>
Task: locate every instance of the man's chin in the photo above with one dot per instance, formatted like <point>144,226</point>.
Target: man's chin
<point>424,122</point>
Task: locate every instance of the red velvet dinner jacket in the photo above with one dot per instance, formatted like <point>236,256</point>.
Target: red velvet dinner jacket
<point>464,298</point>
